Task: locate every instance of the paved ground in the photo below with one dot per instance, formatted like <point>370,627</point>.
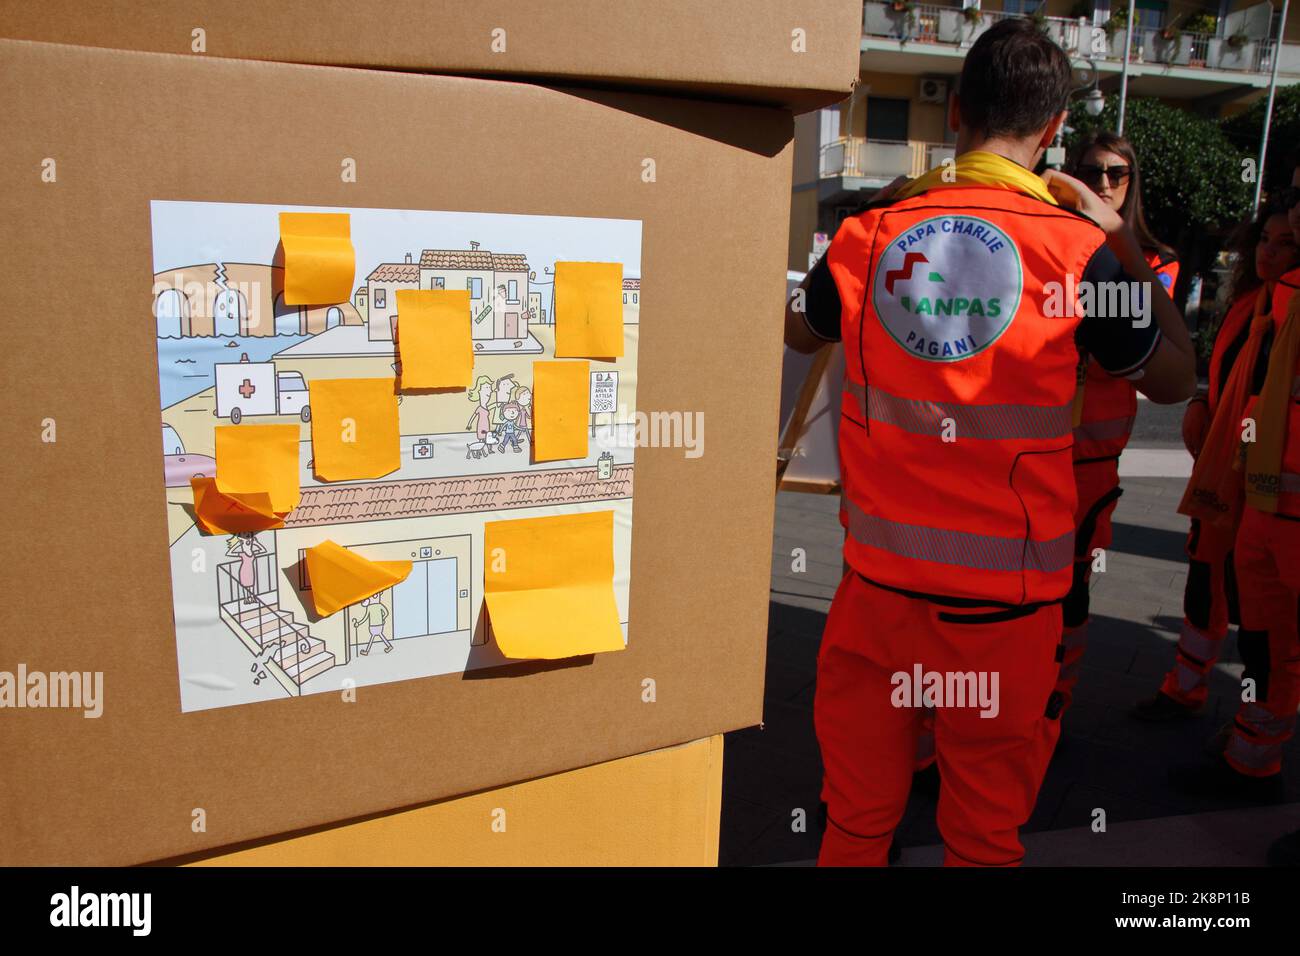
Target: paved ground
<point>1106,759</point>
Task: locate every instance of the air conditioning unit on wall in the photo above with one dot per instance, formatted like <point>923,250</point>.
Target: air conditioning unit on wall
<point>934,91</point>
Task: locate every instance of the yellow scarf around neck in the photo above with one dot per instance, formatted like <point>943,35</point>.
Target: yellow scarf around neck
<point>1264,454</point>
<point>979,168</point>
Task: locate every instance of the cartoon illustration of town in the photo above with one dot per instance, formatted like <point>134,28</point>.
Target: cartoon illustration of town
<point>230,351</point>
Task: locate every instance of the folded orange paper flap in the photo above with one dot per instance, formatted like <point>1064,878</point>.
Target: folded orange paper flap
<point>216,513</point>
<point>434,343</point>
<point>319,261</point>
<point>549,585</point>
<point>340,577</point>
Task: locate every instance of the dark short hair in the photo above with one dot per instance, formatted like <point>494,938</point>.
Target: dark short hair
<point>1014,80</point>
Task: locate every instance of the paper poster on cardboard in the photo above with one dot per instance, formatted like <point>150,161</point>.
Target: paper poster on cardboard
<point>231,352</point>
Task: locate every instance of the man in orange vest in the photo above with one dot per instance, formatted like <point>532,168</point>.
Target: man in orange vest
<point>958,302</point>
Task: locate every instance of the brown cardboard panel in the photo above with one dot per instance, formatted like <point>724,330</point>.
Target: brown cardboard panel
<point>655,809</point>
<point>85,548</point>
<point>741,49</point>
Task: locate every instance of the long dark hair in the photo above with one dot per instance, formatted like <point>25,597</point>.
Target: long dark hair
<point>1131,208</point>
<point>1242,243</point>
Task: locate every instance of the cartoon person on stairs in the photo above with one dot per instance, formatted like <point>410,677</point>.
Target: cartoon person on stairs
<point>246,547</point>
<point>375,615</point>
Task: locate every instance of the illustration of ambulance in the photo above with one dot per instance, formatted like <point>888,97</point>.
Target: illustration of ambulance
<point>255,388</point>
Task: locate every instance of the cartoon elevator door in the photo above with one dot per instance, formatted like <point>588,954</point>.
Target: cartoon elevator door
<point>425,603</point>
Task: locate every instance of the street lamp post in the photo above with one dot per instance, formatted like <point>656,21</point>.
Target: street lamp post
<point>1123,80</point>
<point>1268,110</point>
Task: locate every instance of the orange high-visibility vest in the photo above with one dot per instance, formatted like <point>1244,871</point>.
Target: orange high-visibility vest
<point>1109,404</point>
<point>955,438</point>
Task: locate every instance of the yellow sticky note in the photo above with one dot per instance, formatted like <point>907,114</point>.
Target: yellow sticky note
<point>588,309</point>
<point>551,593</point>
<point>319,261</point>
<point>433,338</point>
<point>354,428</point>
<point>340,577</point>
<point>259,459</point>
<point>560,402</point>
<point>216,513</point>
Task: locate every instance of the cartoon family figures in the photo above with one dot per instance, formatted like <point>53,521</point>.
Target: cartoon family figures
<point>375,615</point>
<point>503,416</point>
<point>246,547</point>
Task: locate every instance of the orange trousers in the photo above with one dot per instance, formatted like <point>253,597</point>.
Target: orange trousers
<point>1209,605</point>
<point>1267,559</point>
<point>990,766</point>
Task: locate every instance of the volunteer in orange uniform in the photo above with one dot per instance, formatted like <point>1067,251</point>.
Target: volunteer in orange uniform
<point>1261,484</point>
<point>1265,250</point>
<point>1105,406</point>
<point>955,445</point>
<point>1273,558</point>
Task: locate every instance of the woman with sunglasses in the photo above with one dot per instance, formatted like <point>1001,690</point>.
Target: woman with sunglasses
<point>1104,406</point>
<point>1265,249</point>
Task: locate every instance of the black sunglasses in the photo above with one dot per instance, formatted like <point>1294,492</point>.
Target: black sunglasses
<point>1116,174</point>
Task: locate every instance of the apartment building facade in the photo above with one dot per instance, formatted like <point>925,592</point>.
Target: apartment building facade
<point>1214,57</point>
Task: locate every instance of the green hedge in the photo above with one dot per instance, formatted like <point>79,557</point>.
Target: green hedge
<point>1245,129</point>
<point>1191,171</point>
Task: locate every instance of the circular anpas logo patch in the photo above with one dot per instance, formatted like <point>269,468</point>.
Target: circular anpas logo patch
<point>948,287</point>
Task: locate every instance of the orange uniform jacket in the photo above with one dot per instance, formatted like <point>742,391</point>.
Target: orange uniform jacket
<point>955,440</point>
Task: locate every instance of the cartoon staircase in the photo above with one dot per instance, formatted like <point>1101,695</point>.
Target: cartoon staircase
<point>298,657</point>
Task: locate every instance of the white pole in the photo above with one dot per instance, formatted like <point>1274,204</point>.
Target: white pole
<point>1123,80</point>
<point>1268,110</point>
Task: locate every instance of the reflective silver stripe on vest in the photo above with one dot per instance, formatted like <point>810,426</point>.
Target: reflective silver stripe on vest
<point>997,422</point>
<point>960,548</point>
<point>1106,430</point>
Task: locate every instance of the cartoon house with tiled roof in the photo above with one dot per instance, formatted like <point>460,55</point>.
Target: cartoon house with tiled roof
<point>381,294</point>
<point>497,282</point>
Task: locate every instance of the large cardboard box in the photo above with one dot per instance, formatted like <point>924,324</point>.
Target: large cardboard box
<point>801,54</point>
<point>655,809</point>
<point>92,137</point>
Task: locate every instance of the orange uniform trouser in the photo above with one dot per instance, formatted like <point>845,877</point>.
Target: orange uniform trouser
<point>1209,605</point>
<point>1268,578</point>
<point>1098,487</point>
<point>990,767</point>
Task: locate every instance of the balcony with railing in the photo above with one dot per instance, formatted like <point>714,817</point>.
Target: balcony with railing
<point>924,27</point>
<point>878,160</point>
